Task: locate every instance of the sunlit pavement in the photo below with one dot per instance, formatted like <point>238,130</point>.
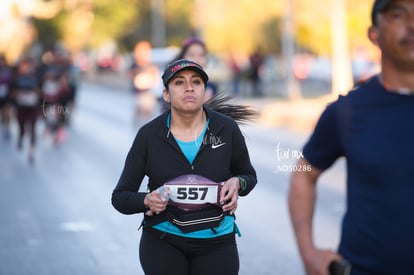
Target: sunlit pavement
<point>57,218</point>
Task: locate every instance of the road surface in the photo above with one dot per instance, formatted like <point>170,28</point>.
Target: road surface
<point>57,218</point>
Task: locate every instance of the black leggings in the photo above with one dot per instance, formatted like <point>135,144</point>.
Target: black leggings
<point>27,116</point>
<point>174,255</point>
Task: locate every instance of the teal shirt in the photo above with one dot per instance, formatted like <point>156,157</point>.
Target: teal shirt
<point>227,226</point>
<point>190,148</point>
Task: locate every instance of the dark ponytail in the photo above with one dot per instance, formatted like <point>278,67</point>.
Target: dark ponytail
<point>242,114</point>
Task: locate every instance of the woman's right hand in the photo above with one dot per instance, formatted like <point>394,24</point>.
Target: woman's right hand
<point>156,201</point>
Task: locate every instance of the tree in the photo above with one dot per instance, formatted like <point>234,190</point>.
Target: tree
<point>225,25</point>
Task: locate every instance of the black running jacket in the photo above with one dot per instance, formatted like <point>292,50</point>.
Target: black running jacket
<point>155,153</point>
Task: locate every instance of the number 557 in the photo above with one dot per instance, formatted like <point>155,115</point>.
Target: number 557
<point>192,193</point>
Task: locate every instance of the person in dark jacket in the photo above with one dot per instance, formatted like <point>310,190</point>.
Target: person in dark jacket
<point>195,49</point>
<point>194,142</point>
<point>26,95</point>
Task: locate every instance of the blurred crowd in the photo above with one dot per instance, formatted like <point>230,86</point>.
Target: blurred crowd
<point>44,89</point>
<point>145,72</point>
<point>235,73</point>
<point>37,90</point>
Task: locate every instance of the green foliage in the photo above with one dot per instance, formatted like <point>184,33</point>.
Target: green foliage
<point>112,19</point>
<point>271,35</point>
<point>180,20</point>
<point>48,31</point>
<point>178,23</point>
<point>229,25</point>
<point>241,25</point>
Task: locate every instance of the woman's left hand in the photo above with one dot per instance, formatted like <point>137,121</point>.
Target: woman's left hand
<point>229,194</point>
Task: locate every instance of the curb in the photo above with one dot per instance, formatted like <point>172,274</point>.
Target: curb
<point>298,115</point>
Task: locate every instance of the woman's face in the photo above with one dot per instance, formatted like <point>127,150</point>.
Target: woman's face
<point>196,53</point>
<point>186,92</point>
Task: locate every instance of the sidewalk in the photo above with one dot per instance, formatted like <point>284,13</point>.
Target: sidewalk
<point>298,115</point>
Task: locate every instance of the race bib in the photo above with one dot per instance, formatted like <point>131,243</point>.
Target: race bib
<point>3,90</point>
<point>194,194</point>
<point>29,98</point>
<point>144,81</point>
<point>192,191</point>
<point>50,88</point>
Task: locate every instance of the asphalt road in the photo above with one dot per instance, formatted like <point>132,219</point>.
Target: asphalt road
<point>57,219</point>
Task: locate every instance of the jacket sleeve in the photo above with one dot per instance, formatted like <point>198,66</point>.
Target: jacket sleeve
<point>125,197</point>
<point>241,164</point>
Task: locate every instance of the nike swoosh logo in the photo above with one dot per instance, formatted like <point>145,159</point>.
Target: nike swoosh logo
<point>215,146</point>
